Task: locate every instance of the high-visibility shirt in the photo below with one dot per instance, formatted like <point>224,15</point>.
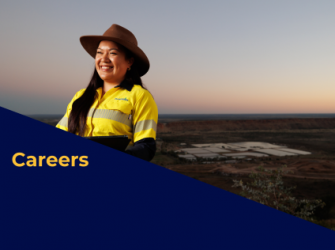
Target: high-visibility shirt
<point>130,111</point>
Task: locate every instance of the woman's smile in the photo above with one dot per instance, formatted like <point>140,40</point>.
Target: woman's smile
<point>106,68</point>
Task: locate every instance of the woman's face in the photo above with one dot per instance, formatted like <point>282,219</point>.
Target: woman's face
<point>111,63</point>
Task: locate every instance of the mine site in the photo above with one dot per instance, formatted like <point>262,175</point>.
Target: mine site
<point>217,152</point>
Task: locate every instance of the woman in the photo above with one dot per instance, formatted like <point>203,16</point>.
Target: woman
<point>115,101</point>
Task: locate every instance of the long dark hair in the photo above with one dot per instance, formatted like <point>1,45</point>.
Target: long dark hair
<point>81,106</point>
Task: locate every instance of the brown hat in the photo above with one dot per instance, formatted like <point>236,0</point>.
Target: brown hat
<point>117,33</point>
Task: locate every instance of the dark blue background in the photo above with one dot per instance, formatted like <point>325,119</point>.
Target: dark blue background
<point>121,202</point>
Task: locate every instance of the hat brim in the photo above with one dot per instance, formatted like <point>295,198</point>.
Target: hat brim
<point>91,43</point>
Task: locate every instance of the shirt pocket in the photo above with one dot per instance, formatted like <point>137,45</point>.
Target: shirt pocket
<point>119,105</point>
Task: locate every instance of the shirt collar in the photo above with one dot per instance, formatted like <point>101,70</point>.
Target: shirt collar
<point>125,85</point>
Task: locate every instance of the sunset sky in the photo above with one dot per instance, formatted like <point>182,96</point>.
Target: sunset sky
<point>207,57</point>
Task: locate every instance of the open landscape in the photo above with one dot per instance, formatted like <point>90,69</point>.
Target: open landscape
<point>312,174</point>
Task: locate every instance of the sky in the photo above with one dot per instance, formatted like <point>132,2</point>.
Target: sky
<point>206,57</point>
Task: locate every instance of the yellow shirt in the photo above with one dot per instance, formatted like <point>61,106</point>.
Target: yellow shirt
<point>119,112</point>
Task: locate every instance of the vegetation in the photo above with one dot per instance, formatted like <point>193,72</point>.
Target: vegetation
<point>267,187</point>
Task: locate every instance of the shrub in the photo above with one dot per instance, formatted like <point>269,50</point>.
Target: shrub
<point>267,187</point>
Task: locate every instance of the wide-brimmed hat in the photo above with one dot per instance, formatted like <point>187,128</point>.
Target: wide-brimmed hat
<point>117,33</point>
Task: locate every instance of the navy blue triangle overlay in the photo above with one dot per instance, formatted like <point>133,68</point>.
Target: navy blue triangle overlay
<point>121,202</point>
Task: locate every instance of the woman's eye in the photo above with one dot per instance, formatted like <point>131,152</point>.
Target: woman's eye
<point>99,52</point>
<point>113,53</point>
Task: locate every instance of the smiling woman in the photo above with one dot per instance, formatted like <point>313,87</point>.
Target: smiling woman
<point>115,101</point>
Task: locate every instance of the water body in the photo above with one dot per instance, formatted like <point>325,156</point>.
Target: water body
<point>206,117</point>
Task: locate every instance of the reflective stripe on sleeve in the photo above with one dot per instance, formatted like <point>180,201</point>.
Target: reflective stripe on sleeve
<point>113,115</point>
<point>144,125</point>
<point>63,122</point>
